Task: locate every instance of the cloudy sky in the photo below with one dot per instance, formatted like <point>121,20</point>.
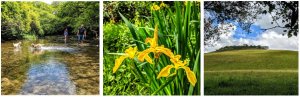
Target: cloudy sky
<point>271,38</point>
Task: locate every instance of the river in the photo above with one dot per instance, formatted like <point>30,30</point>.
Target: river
<point>57,68</point>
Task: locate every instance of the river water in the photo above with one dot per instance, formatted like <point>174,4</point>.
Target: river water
<point>56,68</point>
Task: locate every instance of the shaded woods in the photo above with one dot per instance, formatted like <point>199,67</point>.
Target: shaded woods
<point>30,20</point>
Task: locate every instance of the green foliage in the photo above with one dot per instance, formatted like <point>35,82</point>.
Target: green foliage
<point>40,19</point>
<point>21,17</point>
<point>116,39</point>
<point>179,30</point>
<point>251,72</point>
<point>129,9</point>
<point>29,37</point>
<point>123,83</point>
<point>74,14</point>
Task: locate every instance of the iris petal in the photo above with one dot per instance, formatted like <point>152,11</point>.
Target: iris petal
<point>166,51</point>
<point>190,75</point>
<point>165,72</point>
<point>131,52</point>
<point>148,59</point>
<point>118,62</point>
<point>143,54</point>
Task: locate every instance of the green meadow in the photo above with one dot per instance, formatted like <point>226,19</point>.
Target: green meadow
<point>251,72</point>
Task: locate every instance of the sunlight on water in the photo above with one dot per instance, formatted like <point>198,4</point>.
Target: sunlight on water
<point>56,48</point>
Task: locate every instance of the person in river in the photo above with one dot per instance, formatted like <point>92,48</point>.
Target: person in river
<point>66,34</point>
<point>81,34</point>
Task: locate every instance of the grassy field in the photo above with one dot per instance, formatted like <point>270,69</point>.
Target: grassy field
<point>251,72</point>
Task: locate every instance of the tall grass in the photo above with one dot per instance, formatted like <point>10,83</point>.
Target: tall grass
<point>179,31</point>
<point>251,72</point>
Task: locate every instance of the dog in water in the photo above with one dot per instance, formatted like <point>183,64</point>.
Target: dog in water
<point>36,46</point>
<point>17,45</point>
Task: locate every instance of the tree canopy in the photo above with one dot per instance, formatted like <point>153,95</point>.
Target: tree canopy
<point>20,19</point>
<point>284,15</point>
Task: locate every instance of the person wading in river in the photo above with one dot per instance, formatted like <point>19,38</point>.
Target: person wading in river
<point>66,34</point>
<point>81,34</point>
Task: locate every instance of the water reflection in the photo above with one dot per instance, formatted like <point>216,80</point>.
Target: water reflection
<point>58,48</point>
<point>51,77</point>
<point>39,51</point>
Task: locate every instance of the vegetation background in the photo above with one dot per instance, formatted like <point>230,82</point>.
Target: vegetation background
<point>37,22</point>
<point>127,24</point>
<point>29,20</point>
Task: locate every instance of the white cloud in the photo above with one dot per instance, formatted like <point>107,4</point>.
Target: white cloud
<point>277,41</point>
<point>264,21</point>
<point>270,38</point>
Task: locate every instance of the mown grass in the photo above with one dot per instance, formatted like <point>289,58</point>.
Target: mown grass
<point>251,72</point>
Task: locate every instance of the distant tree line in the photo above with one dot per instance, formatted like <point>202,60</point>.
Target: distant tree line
<point>241,47</point>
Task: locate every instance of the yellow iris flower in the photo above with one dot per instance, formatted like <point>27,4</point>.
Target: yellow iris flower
<point>165,72</point>
<point>157,50</point>
<point>153,41</point>
<point>154,48</point>
<point>155,7</point>
<point>129,53</point>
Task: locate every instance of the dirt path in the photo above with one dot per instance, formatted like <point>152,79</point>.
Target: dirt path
<point>229,71</point>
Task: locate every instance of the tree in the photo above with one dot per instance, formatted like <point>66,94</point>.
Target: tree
<point>78,13</point>
<point>25,18</point>
<point>246,13</point>
<point>20,19</point>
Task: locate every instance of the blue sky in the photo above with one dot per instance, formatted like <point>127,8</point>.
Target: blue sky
<point>272,38</point>
<point>240,33</point>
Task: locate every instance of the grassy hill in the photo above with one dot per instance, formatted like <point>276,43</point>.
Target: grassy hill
<point>251,72</point>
